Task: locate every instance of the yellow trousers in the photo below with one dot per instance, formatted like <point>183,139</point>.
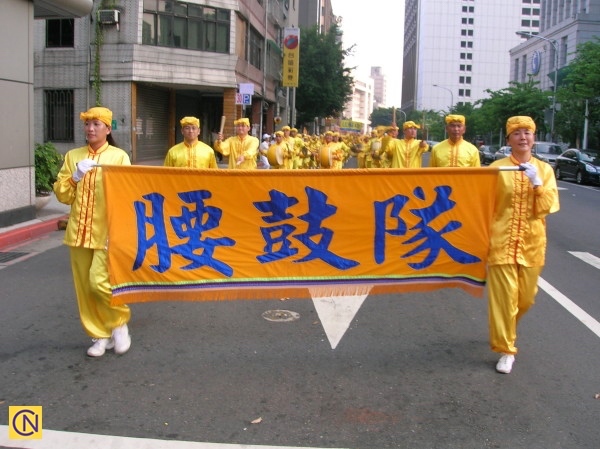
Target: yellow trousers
<point>92,287</point>
<point>511,292</point>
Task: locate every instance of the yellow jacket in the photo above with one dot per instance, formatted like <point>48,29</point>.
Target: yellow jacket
<point>236,148</point>
<point>461,154</point>
<point>518,233</point>
<point>87,226</point>
<point>405,153</point>
<point>199,155</point>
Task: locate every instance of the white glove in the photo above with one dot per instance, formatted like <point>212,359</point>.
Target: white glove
<point>83,167</point>
<point>531,173</point>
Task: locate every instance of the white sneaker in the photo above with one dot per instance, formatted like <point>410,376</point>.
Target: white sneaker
<point>100,346</point>
<point>505,363</point>
<point>122,340</point>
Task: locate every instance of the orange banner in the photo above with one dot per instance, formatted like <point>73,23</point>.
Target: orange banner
<point>183,234</point>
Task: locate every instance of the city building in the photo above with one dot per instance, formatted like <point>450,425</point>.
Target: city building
<point>360,107</point>
<point>150,61</point>
<point>541,56</point>
<point>17,188</point>
<point>379,88</point>
<point>455,50</point>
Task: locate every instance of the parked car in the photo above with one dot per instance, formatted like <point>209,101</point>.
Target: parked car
<point>583,165</point>
<point>502,153</point>
<point>486,154</point>
<point>547,151</point>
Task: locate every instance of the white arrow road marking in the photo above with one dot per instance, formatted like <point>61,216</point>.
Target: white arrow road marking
<point>587,258</point>
<point>72,440</point>
<point>336,313</point>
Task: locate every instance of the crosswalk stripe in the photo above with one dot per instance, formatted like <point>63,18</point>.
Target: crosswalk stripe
<point>587,258</point>
<point>571,307</point>
<point>73,440</point>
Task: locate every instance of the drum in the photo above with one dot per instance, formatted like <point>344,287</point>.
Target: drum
<point>325,157</point>
<point>275,156</point>
<point>376,145</point>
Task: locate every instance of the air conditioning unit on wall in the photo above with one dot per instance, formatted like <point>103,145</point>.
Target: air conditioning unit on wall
<point>108,16</point>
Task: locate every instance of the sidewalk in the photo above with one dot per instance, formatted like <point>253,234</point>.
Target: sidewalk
<point>46,221</point>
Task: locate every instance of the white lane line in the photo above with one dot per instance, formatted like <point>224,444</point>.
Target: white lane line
<point>72,440</point>
<point>571,307</point>
<point>587,258</point>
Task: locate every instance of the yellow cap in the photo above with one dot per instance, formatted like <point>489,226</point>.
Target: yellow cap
<point>286,128</point>
<point>455,118</point>
<point>410,124</point>
<point>278,133</point>
<point>519,121</point>
<point>242,121</point>
<point>192,121</point>
<point>97,113</point>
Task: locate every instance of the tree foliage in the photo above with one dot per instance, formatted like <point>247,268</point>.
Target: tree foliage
<point>325,85</point>
<point>581,84</point>
<point>517,99</point>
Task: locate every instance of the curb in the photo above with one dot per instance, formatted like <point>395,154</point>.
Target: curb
<point>23,234</point>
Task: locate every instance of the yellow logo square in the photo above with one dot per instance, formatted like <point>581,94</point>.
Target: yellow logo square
<point>25,422</point>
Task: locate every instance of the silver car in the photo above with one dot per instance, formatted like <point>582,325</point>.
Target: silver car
<point>547,151</point>
<point>502,153</point>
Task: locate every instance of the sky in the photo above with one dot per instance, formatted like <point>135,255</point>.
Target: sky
<point>372,25</point>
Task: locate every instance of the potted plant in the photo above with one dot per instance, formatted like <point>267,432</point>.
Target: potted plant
<point>47,162</point>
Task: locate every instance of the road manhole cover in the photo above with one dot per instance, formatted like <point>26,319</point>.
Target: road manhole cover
<point>280,315</point>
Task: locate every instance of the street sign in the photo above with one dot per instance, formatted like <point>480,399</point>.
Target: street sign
<point>244,99</point>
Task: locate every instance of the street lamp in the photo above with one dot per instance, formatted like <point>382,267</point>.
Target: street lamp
<point>451,95</point>
<point>403,113</point>
<point>553,43</point>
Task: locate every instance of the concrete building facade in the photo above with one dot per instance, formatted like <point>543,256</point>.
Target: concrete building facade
<point>150,61</point>
<point>563,26</point>
<point>454,50</point>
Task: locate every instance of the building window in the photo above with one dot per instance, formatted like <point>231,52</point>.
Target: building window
<point>169,23</point>
<point>60,33</point>
<point>59,116</point>
<point>256,51</point>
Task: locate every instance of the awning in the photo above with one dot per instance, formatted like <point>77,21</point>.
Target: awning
<point>55,9</point>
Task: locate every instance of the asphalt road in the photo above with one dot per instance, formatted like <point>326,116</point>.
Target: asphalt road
<point>412,371</point>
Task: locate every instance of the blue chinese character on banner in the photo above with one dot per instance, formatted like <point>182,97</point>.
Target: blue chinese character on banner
<point>278,246</point>
<point>278,236</point>
<point>189,225</point>
<point>397,202</point>
<point>432,241</point>
<point>157,222</point>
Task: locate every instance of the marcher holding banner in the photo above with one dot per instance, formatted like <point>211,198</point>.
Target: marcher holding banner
<point>80,184</point>
<point>455,151</point>
<point>191,153</point>
<point>241,148</point>
<point>518,237</point>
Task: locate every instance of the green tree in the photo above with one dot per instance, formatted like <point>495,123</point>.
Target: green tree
<point>517,99</point>
<point>580,83</point>
<point>325,85</point>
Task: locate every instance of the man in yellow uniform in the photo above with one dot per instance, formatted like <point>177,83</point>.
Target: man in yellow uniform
<point>388,138</point>
<point>241,148</point>
<point>279,153</point>
<point>407,152</point>
<point>191,152</point>
<point>455,151</point>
